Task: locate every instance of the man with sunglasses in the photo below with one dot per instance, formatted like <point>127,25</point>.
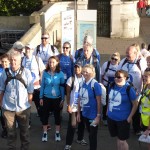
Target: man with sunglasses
<point>135,66</point>
<point>45,49</point>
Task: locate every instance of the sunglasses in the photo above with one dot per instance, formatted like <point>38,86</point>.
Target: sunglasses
<point>147,69</point>
<point>118,77</point>
<point>114,59</point>
<point>66,47</point>
<point>44,38</point>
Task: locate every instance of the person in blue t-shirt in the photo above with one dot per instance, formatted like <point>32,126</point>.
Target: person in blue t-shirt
<point>5,63</point>
<point>52,95</point>
<point>122,106</point>
<point>66,61</point>
<point>90,102</point>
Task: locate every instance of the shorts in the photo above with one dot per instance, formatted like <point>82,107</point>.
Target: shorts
<point>121,129</point>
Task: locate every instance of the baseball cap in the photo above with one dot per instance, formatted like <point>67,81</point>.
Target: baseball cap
<point>18,45</point>
<point>78,64</point>
<point>29,46</point>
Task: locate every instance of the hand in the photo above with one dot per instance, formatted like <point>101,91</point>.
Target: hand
<point>97,119</point>
<point>69,110</point>
<point>41,102</point>
<point>129,119</point>
<point>61,104</point>
<point>78,117</point>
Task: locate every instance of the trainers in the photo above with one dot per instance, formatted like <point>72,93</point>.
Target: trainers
<point>57,137</point>
<point>44,137</point>
<point>82,142</point>
<point>67,147</point>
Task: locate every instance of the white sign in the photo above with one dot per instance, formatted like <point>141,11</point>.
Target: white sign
<point>68,28</point>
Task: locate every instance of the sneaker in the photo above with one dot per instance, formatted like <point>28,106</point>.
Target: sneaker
<point>4,134</point>
<point>57,137</point>
<point>67,147</point>
<point>82,142</point>
<point>44,137</point>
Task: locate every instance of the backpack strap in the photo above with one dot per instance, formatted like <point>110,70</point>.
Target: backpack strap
<point>72,85</point>
<point>107,67</point>
<point>37,49</point>
<point>17,77</point>
<point>125,61</point>
<point>79,53</point>
<point>92,86</point>
<point>53,49</point>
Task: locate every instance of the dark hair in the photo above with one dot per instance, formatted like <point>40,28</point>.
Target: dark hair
<point>143,45</point>
<point>5,56</point>
<point>148,47</point>
<point>125,73</point>
<point>57,67</point>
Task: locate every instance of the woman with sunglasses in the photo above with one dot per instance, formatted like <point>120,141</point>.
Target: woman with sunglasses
<point>145,104</point>
<point>52,96</point>
<point>108,71</point>
<point>66,61</point>
<point>121,107</point>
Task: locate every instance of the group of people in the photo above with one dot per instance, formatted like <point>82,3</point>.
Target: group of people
<point>48,78</point>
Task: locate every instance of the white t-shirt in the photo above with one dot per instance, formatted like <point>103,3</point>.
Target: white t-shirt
<point>74,93</point>
<point>45,52</point>
<point>109,75</point>
<point>32,65</point>
<point>135,74</point>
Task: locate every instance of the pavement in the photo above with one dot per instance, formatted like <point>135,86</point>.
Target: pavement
<point>106,47</point>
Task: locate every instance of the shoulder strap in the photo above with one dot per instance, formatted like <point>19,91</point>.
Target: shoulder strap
<point>128,90</point>
<point>52,48</point>
<point>107,67</point>
<point>9,76</point>
<point>72,85</point>
<point>94,53</point>
<point>138,64</point>
<point>125,61</point>
<point>92,86</point>
<point>80,51</point>
<point>37,49</point>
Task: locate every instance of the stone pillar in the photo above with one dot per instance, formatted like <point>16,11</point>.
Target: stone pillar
<point>82,4</point>
<point>115,18</point>
<point>42,21</point>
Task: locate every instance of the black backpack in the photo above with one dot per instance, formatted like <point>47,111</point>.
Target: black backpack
<point>38,49</point>
<point>17,77</point>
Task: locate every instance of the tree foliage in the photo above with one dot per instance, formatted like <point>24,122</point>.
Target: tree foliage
<point>17,7</point>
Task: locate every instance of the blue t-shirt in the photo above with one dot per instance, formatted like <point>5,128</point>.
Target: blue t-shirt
<point>52,86</point>
<point>120,103</point>
<point>66,65</point>
<point>88,99</point>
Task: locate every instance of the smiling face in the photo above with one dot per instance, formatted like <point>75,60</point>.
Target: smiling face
<point>66,49</point>
<point>5,62</point>
<point>146,76</point>
<point>28,51</point>
<point>131,53</point>
<point>77,70</point>
<point>52,64</point>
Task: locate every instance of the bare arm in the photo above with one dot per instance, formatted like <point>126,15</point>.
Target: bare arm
<point>134,108</point>
<point>30,96</point>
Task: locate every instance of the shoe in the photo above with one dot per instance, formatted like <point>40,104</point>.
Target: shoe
<point>4,134</point>
<point>144,138</point>
<point>44,137</point>
<point>29,126</point>
<point>67,147</point>
<point>82,142</point>
<point>57,137</point>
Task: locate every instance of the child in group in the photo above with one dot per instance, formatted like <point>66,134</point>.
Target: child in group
<point>4,64</point>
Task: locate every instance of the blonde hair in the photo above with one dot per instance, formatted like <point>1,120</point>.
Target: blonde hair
<point>90,67</point>
<point>116,54</point>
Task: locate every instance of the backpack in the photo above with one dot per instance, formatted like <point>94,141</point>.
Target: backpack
<point>38,49</point>
<point>17,77</point>
<point>137,63</point>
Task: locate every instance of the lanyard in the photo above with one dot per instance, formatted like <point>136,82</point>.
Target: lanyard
<point>26,61</point>
<point>115,94</point>
<point>131,66</point>
<point>42,52</point>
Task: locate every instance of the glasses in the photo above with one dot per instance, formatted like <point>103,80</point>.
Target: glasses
<point>147,69</point>
<point>114,59</point>
<point>44,38</point>
<point>66,47</point>
<point>118,77</point>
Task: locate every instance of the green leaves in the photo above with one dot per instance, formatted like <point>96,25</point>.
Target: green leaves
<point>17,7</point>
